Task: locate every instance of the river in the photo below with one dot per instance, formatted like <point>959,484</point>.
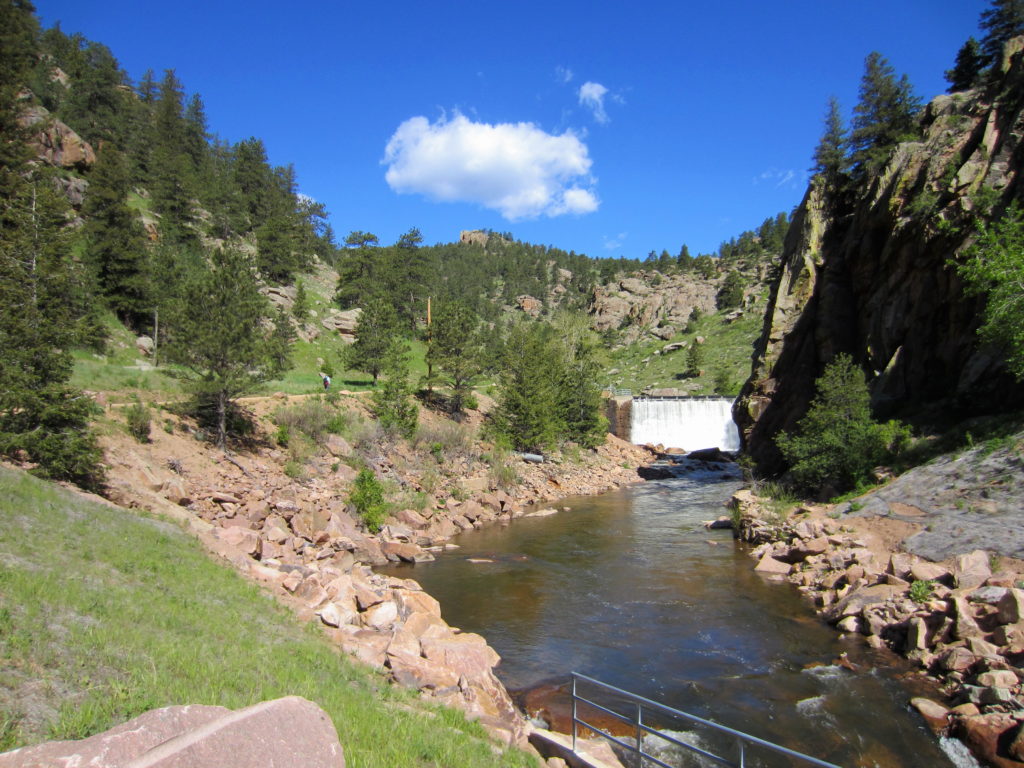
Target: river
<point>631,589</point>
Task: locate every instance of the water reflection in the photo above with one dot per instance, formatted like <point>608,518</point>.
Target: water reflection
<point>631,589</point>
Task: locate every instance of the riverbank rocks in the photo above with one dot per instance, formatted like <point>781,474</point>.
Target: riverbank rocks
<point>301,539</point>
<point>962,624</point>
<point>290,733</point>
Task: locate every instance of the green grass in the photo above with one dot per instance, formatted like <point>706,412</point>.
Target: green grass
<point>104,615</point>
<point>727,348</point>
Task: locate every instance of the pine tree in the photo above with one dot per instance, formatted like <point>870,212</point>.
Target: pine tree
<point>830,155</point>
<point>454,349</point>
<point>577,376</point>
<point>1004,20</point>
<point>41,417</point>
<point>223,349</point>
<point>527,411</point>
<point>684,259</point>
<point>968,66</point>
<point>357,270</point>
<point>837,443</point>
<point>376,330</point>
<point>730,293</point>
<point>884,116</point>
<point>171,174</point>
<point>392,402</point>
<point>115,244</point>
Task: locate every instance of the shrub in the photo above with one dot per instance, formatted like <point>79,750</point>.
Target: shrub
<point>837,443</point>
<point>138,419</point>
<point>920,590</point>
<point>283,436</point>
<point>367,497</point>
<point>310,417</point>
<point>994,269</point>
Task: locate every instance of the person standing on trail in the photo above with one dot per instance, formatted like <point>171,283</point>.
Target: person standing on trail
<point>327,381</point>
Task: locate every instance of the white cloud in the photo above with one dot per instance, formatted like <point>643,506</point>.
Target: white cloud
<point>781,178</point>
<point>614,243</point>
<point>592,96</point>
<point>563,74</point>
<point>516,169</point>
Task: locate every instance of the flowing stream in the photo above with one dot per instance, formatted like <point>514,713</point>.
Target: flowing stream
<point>631,589</point>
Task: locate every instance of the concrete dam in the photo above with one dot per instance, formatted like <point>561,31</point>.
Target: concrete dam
<point>689,423</point>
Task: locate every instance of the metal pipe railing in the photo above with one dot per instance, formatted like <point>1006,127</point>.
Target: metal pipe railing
<point>742,739</point>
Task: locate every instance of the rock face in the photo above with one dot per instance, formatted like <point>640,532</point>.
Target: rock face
<point>473,237</point>
<point>870,277</point>
<point>285,732</point>
<point>54,142</point>
<point>639,306</point>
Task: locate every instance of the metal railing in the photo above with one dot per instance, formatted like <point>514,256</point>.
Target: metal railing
<point>638,704</point>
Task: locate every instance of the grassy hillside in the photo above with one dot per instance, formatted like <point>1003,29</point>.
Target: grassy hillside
<point>726,351</point>
<point>104,615</point>
<point>124,373</point>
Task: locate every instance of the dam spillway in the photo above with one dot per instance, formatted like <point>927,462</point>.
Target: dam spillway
<point>690,423</point>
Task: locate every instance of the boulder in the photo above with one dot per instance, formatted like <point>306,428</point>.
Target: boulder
<point>971,570</point>
<point>934,714</point>
<point>1011,606</point>
<point>338,446</point>
<point>466,654</point>
<point>416,672</point>
<point>769,566</point>
<point>380,616</point>
<point>285,732</point>
<point>983,733</point>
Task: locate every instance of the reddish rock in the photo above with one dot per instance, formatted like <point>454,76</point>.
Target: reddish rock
<point>425,625</point>
<point>366,645</point>
<point>244,539</point>
<point>1011,606</point>
<point>982,733</point>
<point>410,603</point>
<point>934,714</point>
<point>958,660</point>
<point>286,732</point>
<point>922,570</point>
<point>769,566</point>
<point>971,570</point>
<point>416,672</point>
<point>467,654</point>
<point>380,616</point>
<point>412,518</point>
<point>335,615</point>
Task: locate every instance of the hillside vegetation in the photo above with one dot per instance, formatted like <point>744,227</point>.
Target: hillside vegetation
<point>107,614</point>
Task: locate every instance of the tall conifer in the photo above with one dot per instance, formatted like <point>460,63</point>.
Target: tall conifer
<point>830,155</point>
<point>883,117</point>
<point>1004,20</point>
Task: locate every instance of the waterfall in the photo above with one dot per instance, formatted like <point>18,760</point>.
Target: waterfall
<point>684,422</point>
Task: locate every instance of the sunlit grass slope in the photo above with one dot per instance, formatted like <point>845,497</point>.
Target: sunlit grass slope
<point>104,615</point>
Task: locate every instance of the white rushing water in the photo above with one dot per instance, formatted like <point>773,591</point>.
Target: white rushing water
<point>690,424</point>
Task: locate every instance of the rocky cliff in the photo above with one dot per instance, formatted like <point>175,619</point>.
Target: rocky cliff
<point>870,275</point>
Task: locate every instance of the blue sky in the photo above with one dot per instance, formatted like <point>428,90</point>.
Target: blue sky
<point>608,128</point>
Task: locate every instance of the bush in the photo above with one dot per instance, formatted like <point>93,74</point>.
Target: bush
<point>367,497</point>
<point>313,417</point>
<point>503,472</point>
<point>920,591</point>
<point>283,436</point>
<point>994,269</point>
<point>138,419</point>
<point>837,443</point>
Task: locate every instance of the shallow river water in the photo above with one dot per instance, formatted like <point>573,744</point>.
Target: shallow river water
<point>629,588</point>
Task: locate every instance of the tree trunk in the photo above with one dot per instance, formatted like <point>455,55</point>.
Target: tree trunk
<point>222,419</point>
